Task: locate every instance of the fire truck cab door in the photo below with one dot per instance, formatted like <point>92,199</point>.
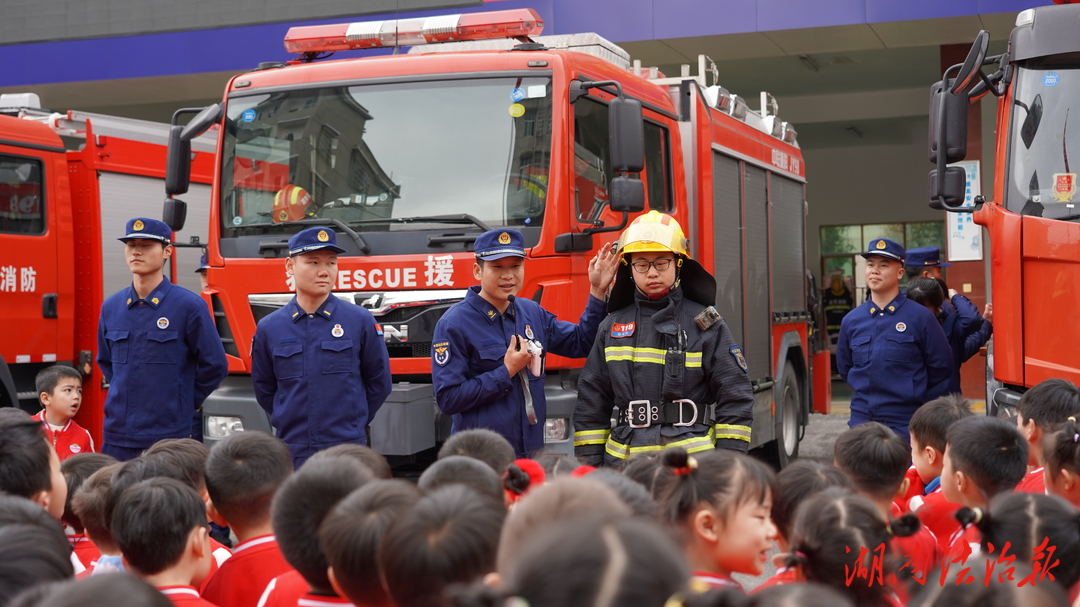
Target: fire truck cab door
<point>29,262</point>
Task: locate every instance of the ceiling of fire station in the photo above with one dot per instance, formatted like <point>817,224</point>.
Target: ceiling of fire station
<point>850,85</point>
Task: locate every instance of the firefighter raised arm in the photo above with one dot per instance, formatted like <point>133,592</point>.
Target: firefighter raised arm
<point>664,364</point>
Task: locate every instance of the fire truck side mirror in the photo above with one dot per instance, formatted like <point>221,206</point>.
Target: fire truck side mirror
<point>950,190</point>
<point>971,70</point>
<point>174,214</point>
<point>208,117</point>
<point>626,135</point>
<point>953,110</point>
<point>627,195</point>
<point>177,162</point>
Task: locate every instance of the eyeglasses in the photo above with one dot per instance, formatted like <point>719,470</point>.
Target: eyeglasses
<point>661,264</point>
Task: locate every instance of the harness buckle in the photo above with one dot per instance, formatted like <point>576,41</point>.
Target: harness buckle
<point>681,402</point>
<point>641,413</point>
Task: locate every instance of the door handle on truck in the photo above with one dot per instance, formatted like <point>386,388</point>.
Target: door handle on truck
<point>48,305</point>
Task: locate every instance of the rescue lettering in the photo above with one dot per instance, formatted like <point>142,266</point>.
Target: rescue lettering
<point>439,272</point>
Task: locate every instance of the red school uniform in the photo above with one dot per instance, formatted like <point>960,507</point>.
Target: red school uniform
<point>221,553</point>
<point>964,545</point>
<point>938,515</point>
<point>715,581</point>
<point>1033,482</point>
<point>916,488</point>
<point>184,596</point>
<point>240,581</point>
<point>784,576</point>
<point>84,550</point>
<point>69,440</point>
<point>284,590</point>
<point>318,600</point>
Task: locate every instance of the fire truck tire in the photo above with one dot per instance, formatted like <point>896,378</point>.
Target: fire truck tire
<point>785,449</point>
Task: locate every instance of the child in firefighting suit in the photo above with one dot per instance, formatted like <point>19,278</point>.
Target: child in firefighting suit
<point>664,363</point>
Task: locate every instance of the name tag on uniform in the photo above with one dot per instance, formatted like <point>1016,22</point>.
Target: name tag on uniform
<point>622,329</point>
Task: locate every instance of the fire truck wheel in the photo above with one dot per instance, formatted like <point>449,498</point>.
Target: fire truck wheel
<point>785,449</point>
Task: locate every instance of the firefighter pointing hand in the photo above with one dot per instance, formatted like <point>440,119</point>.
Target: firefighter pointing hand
<point>664,363</point>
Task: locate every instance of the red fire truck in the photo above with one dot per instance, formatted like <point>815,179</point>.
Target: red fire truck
<point>68,182</point>
<point>1032,218</point>
<point>409,157</point>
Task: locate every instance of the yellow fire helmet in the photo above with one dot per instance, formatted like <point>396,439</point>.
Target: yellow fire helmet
<point>654,232</point>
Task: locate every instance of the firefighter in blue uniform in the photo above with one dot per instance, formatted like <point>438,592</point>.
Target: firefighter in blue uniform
<point>319,364</point>
<point>158,349</point>
<point>892,352</point>
<point>665,365</point>
<point>489,350</point>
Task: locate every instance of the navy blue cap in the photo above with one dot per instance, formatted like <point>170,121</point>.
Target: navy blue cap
<point>149,229</point>
<point>926,256</point>
<point>203,265</point>
<point>313,239</point>
<point>497,244</point>
<point>884,247</point>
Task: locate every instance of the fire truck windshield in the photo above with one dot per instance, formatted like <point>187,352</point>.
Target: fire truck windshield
<point>1045,139</point>
<point>361,154</point>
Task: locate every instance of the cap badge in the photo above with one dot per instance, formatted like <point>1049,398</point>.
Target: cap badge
<point>163,323</point>
<point>880,245</point>
<point>529,332</point>
<point>504,238</point>
<point>323,237</point>
<point>337,331</point>
<point>901,327</point>
<point>138,225</point>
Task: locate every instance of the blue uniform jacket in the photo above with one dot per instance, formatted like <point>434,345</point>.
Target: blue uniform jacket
<point>966,330</point>
<point>321,376</point>
<point>895,359</point>
<point>162,357</point>
<point>472,384</point>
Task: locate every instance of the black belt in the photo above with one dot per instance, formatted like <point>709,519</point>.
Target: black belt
<point>643,413</point>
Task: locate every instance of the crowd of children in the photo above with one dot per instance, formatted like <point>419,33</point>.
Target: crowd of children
<point>975,510</point>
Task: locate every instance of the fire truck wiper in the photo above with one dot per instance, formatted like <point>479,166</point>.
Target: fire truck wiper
<point>460,218</point>
<point>320,221</point>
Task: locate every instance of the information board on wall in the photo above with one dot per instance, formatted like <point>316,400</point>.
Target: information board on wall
<point>965,236</point>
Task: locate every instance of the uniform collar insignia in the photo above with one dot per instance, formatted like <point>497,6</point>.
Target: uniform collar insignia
<point>481,305</point>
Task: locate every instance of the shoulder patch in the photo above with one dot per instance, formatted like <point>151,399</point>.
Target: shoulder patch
<point>441,352</point>
<point>736,353</point>
<point>622,329</point>
<point>378,329</point>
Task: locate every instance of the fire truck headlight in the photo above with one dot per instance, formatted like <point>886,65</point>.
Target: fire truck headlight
<point>220,427</point>
<point>556,429</point>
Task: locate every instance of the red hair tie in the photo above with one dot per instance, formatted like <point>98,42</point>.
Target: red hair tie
<point>691,465</point>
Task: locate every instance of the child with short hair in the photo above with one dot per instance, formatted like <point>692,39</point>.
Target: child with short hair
<point>485,445</point>
<point>243,473</point>
<point>160,526</point>
<point>720,501</point>
<point>76,469</point>
<point>984,457</point>
<point>29,466</point>
<point>1042,408</point>
<point>363,454</point>
<point>31,555</point>
<point>928,430</point>
<point>461,470</point>
<point>1061,453</point>
<point>350,537</point>
<point>114,591</point>
<point>794,484</point>
<point>449,537</point>
<point>837,531</point>
<point>59,389</point>
<point>297,511</point>
<point>89,504</point>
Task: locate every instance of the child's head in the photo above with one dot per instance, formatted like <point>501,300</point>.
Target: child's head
<point>480,443</point>
<point>31,555</point>
<point>188,454</point>
<point>797,482</point>
<point>112,590</point>
<point>243,472</point>
<point>874,457</point>
<point>143,468</point>
<point>29,466</point>
<point>1024,521</point>
<point>350,537</point>
<point>646,469</point>
<point>928,428</point>
<point>76,469</point>
<point>300,506</point>
<point>461,470</point>
<point>450,536</point>
<point>59,389</point>
<point>363,454</point>
<point>1061,454</point>
<point>90,505</point>
<point>720,501</point>
<point>631,492</point>
<point>985,456</point>
<point>160,524</point>
<point>560,500</point>
<point>989,587</point>
<point>832,528</point>
<point>597,561</point>
<point>557,464</point>
<point>1042,408</point>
